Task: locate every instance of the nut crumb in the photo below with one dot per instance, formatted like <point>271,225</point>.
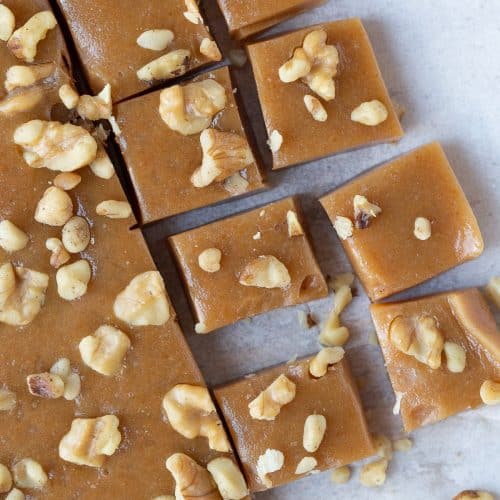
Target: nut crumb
<point>266,271</point>
<point>156,39</point>
<point>404,444</point>
<point>69,96</point>
<point>370,113</point>
<point>396,409</point>
<point>12,239</point>
<point>268,462</point>
<point>257,236</point>
<point>364,211</point>
<point>374,474</point>
<point>192,13</point>
<point>422,229</point>
<point>267,405</point>
<point>59,255</point>
<point>314,106</point>
<point>67,181</point>
<point>314,432</point>
<point>382,445</point>
<point>490,392</point>
<point>15,494</point>
<point>343,226</point>
<point>210,50</point>
<point>45,385</point>
<point>306,465</point>
<point>341,475</point>
<point>294,225</point>
<point>275,141</point>
<point>209,260</point>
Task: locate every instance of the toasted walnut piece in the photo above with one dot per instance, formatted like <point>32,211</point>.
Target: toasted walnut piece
<point>340,280</point>
<point>59,254</point>
<point>209,49</point>
<point>24,76</point>
<point>144,301</point>
<point>200,328</point>
<point>102,166</point>
<point>174,63</point>
<point>28,473</point>
<point>69,96</point>
<point>490,392</point>
<point>73,279</point>
<point>191,412</point>
<point>190,109</point>
<point>306,465</point>
<point>192,13</point>
<point>419,338</point>
<point>364,211</point>
<point>267,405</point>
<point>318,366</point>
<point>67,181</point>
<point>5,476</point>
<point>294,225</point>
<point>76,235</point>
<point>396,409</point>
<point>55,207</point>
<point>266,271</point>
<point>370,113</point>
<point>20,102</point>
<point>474,495</point>
<point>7,23</point>
<point>455,357</point>
<point>56,146</point>
<point>317,110</point>
<point>45,385</point>
<point>423,229</point>
<point>314,432</point>
<point>22,294</point>
<point>104,350</point>
<point>295,68</point>
<point>332,333</point>
<point>235,184</point>
<point>270,461</point>
<point>343,226</point>
<point>12,239</point>
<point>72,383</point>
<point>493,290</point>
<point>97,107</point>
<point>23,42</point>
<point>228,477</point>
<point>257,236</point>
<point>209,260</point>
<point>7,400</point>
<point>341,475</point>
<point>192,480</point>
<point>114,209</point>
<point>275,141</point>
<point>404,444</point>
<point>90,440</point>
<point>375,473</point>
<point>224,154</point>
<point>382,445</point>
<point>15,494</point>
<point>157,39</point>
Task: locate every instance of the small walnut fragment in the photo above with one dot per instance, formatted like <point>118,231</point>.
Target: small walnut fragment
<point>114,209</point>
<point>314,432</point>
<point>474,495</point>
<point>224,153</point>
<point>102,166</point>
<point>25,76</point>
<point>59,255</point>
<point>228,477</point>
<point>294,226</point>
<point>5,479</point>
<point>364,211</point>
<point>370,113</point>
<point>192,13</point>
<point>144,301</point>
<point>54,208</point>
<point>403,444</point>
<point>318,366</point>
<point>332,332</point>
<point>72,383</point>
<point>73,279</point>
<point>209,260</point>
<point>7,400</point>
<point>90,440</point>
<point>15,494</point>
<point>76,234</point>
<point>67,181</point>
<point>490,392</point>
<point>422,229</point>
<point>235,184</point>
<point>24,41</point>
<point>374,474</point>
<point>190,109</point>
<point>155,39</point>
<point>191,412</point>
<point>275,141</point>
<point>455,357</point>
<point>341,475</point>
<point>210,50</point>
<point>97,107</point>
<point>104,350</point>
<point>69,96</point>
<point>45,385</point>
<point>267,405</point>
<point>7,22</point>
<point>12,239</point>
<point>269,462</point>
<point>192,481</point>
<point>306,465</point>
<point>167,66</point>
<point>56,146</point>
<point>382,445</point>
<point>21,101</point>
<point>343,226</point>
<point>266,271</point>
<point>28,473</point>
<point>314,106</point>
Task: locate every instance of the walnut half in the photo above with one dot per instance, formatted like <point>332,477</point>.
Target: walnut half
<point>266,271</point>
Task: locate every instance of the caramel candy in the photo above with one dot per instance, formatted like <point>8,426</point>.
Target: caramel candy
<point>356,79</point>
<point>322,427</point>
<point>384,248</point>
<point>262,267</point>
<point>439,350</point>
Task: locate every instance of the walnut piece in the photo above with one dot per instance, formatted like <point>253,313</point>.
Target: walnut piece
<point>56,146</point>
<point>90,440</point>
<point>7,23</point>
<point>5,475</point>
<point>275,141</point>
<point>192,13</point>
<point>167,66</point>
<point>156,39</point>
<point>209,49</point>
<point>102,166</point>
<point>209,260</point>
<point>267,463</point>
<point>404,444</point>
<point>7,400</point>
<point>24,41</point>
<point>12,239</point>
<point>22,294</point>
<point>306,465</point>
<point>318,366</point>
<point>73,279</point>
<point>45,385</point>
<point>67,181</point>
<point>76,234</point>
<point>422,229</point>
<point>314,432</point>
<point>69,96</point>
<point>455,357</point>
<point>21,101</point>
<point>97,107</point>
<point>343,226</point>
<point>190,109</point>
<point>364,211</point>
<point>228,478</point>
<point>490,392</point>
<point>374,474</point>
<point>332,332</point>
<point>382,445</point>
<point>235,184</point>
<point>267,405</point>
<point>266,271</point>
<point>71,379</point>
<point>224,153</point>
<point>55,207</point>
<point>474,495</point>
<point>192,481</point>
<point>341,475</point>
<point>294,226</point>
<point>105,350</point>
<point>314,106</point>
<point>191,412</point>
<point>59,255</point>
<point>28,473</point>
<point>144,301</point>
<point>15,494</point>
<point>114,209</point>
<point>370,113</point>
<point>25,76</point>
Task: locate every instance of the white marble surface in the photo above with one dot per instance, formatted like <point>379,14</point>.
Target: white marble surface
<point>441,61</point>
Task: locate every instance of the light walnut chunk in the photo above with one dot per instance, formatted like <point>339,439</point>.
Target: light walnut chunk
<point>21,101</point>
<point>374,474</point>
<point>332,332</point>
<point>267,405</point>
<point>102,166</point>
<point>5,479</point>
<point>15,494</point>
<point>167,66</point>
<point>28,473</point>
<point>294,226</point>
<point>56,146</point>
<point>55,207</point>
<point>25,76</point>
<point>76,235</point>
<point>90,440</point>
<point>456,357</point>
<point>341,475</point>
<point>155,39</point>
<point>493,290</point>
<point>371,113</point>
<point>267,463</point>
<point>192,481</point>
<point>266,271</point>
<point>422,229</point>
<point>328,356</point>
<point>209,49</point>
<point>275,141</point>
<point>191,412</point>
<point>71,379</point>
<point>22,294</point>
<point>7,23</point>
<point>403,444</point>
<point>192,13</point>
<point>314,106</point>
<point>364,211</point>
<point>235,184</point>
<point>59,255</point>
<point>97,107</point>
<point>105,350</point>
<point>144,301</point>
<point>209,260</point>
<point>12,239</point>
<point>224,153</point>
<point>314,432</point>
<point>67,181</point>
<point>8,400</point>
<point>69,96</point>
<point>73,279</point>
<point>228,478</point>
<point>474,495</point>
<point>490,392</point>
<point>45,385</point>
<point>190,109</point>
<point>306,465</point>
<point>24,41</point>
<point>382,445</point>
<point>114,209</point>
<point>343,226</point>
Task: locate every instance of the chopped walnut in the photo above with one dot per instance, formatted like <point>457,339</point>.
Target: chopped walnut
<point>67,181</point>
<point>55,207</point>
<point>69,96</point>
<point>267,463</point>
<point>24,41</point>
<point>224,153</point>
<point>157,39</point>
<point>144,301</point>
<point>341,475</point>
<point>97,107</point>
<point>191,412</point>
<point>7,23</point>
<point>210,50</point>
<point>28,473</point>
<point>318,366</point>
<point>374,474</point>
<point>25,76</point>
<point>364,211</point>
<point>490,392</point>
<point>22,294</point>
<point>15,494</point>
<point>71,379</point>
<point>266,271</point>
<point>370,113</point>
<point>333,333</point>
<point>22,101</point>
<point>73,279</point>
<point>102,166</point>
<point>314,106</point>
<point>404,444</point>
<point>59,255</point>
<point>7,400</point>
<point>314,432</point>
<point>209,260</point>
<point>190,109</point>
<point>12,239</point>
<point>382,445</point>
<point>493,290</point>
<point>306,465</point>
<point>343,226</point>
<point>114,209</point>
<point>5,475</point>
<point>275,141</point>
<point>474,495</point>
<point>422,229</point>
<point>340,280</point>
<point>45,385</point>
<point>294,225</point>
<point>228,477</point>
<point>455,357</point>
<point>192,13</point>
<point>76,235</point>
<point>200,328</point>
<point>90,440</point>
<point>235,184</point>
<point>104,350</point>
<point>169,65</point>
<point>56,146</point>
<point>267,405</point>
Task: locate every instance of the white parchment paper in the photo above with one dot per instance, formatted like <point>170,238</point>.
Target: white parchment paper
<point>440,60</point>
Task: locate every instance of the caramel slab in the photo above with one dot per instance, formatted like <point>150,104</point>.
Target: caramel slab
<point>429,395</point>
<point>334,396</point>
<point>161,161</point>
<point>218,298</point>
<point>358,80</point>
<point>386,255</point>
